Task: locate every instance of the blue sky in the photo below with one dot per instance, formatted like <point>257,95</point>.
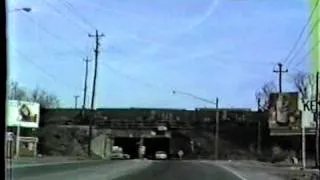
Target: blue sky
<point>210,48</point>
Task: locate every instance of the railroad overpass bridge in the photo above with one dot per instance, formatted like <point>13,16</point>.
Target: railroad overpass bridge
<point>155,135</point>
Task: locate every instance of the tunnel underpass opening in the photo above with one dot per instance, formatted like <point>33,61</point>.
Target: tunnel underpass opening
<point>156,144</point>
<point>129,145</point>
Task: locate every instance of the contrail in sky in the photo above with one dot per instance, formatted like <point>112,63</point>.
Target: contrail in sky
<point>202,19</point>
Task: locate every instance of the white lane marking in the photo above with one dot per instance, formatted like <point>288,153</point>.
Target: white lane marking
<point>232,171</point>
<point>133,168</point>
<point>238,175</point>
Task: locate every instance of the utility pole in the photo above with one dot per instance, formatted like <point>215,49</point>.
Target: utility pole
<point>76,101</point>
<point>280,71</point>
<point>15,92</point>
<point>85,84</point>
<point>216,146</point>
<point>317,120</point>
<point>259,127</point>
<point>97,37</point>
<point>303,144</point>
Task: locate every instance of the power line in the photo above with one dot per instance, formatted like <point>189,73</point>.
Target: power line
<point>307,54</point>
<point>72,9</point>
<point>65,16</point>
<point>137,80</point>
<point>301,33</point>
<point>147,84</point>
<point>54,35</point>
<point>172,90</point>
<point>304,42</point>
<point>43,70</point>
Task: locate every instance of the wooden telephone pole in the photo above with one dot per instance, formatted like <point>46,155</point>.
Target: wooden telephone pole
<point>76,101</point>
<point>97,37</point>
<point>259,127</point>
<point>216,142</point>
<point>85,84</point>
<point>317,120</point>
<point>280,71</point>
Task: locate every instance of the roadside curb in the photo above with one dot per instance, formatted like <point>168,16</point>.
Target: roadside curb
<point>50,163</point>
<point>41,168</point>
<point>112,167</point>
<point>278,171</point>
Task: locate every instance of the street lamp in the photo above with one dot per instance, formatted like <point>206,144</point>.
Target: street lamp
<point>25,9</point>
<point>216,103</point>
<point>193,96</point>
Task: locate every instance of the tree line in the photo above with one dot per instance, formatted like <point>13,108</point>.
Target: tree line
<point>42,96</point>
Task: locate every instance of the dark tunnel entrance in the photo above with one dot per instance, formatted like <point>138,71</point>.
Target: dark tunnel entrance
<point>156,144</point>
<point>129,145</point>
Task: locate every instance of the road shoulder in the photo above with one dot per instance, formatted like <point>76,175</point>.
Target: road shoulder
<point>81,171</point>
<point>242,172</point>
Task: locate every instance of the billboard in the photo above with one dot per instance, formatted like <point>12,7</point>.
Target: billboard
<point>307,106</point>
<point>284,114</point>
<point>307,113</point>
<point>22,113</point>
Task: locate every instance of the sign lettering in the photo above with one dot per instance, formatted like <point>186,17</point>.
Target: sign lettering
<point>310,105</point>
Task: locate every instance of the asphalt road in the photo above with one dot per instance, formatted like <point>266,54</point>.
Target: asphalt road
<point>175,170</point>
<point>98,170</point>
<point>143,170</point>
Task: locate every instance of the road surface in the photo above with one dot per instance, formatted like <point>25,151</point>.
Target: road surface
<point>141,170</point>
<point>95,170</point>
<point>175,170</point>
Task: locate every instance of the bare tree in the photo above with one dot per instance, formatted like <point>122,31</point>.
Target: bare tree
<point>44,98</point>
<point>17,92</point>
<point>264,93</point>
<point>304,83</point>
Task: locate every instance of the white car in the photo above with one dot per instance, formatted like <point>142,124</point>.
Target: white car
<point>161,155</point>
<point>126,156</point>
<point>162,128</point>
<point>117,156</point>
